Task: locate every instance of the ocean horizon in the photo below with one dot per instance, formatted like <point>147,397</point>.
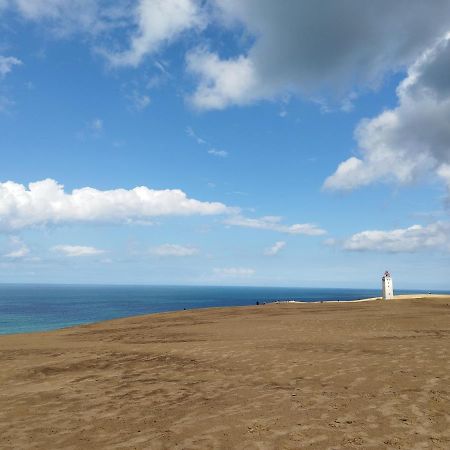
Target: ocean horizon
<point>43,307</point>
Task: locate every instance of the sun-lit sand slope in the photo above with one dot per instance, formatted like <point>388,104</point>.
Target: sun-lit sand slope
<point>362,375</point>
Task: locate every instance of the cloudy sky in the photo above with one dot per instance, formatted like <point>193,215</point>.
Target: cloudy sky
<point>247,142</point>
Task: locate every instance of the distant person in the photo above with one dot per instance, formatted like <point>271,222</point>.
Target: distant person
<point>257,303</point>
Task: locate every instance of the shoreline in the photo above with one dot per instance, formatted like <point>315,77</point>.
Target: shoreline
<point>262,303</point>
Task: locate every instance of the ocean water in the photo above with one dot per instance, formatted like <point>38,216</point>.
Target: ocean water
<point>27,308</point>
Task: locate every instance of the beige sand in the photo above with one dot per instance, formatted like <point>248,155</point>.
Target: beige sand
<point>367,375</point>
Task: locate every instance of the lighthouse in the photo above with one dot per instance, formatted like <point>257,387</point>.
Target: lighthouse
<point>387,286</point>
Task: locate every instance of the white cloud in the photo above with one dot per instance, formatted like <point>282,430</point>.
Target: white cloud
<point>45,202</point>
<point>200,141</point>
<point>274,223</point>
<point>233,272</point>
<point>6,104</point>
<point>434,236</point>
<point>63,17</point>
<point>96,125</point>
<point>223,82</point>
<point>158,23</point>
<point>148,24</point>
<point>7,63</point>
<point>18,249</point>
<point>138,100</point>
<point>405,143</point>
<point>93,128</point>
<point>275,248</point>
<point>192,134</point>
<point>219,153</point>
<point>319,50</point>
<point>38,9</point>
<point>77,250</point>
<point>315,49</point>
<point>174,250</point>
<point>296,46</point>
<point>443,172</point>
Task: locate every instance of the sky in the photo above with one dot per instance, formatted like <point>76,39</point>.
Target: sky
<point>225,142</point>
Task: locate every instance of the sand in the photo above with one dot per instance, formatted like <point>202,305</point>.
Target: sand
<point>368,375</point>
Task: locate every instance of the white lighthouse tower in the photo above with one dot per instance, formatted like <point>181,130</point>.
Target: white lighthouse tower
<point>387,286</point>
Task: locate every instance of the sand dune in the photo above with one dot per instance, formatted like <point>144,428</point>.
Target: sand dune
<point>369,375</point>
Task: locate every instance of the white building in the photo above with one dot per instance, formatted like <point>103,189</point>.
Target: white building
<point>387,286</point>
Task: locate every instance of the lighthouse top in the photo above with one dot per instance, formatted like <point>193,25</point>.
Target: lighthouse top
<point>387,286</point>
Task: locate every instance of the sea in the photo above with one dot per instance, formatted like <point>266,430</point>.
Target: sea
<point>38,307</point>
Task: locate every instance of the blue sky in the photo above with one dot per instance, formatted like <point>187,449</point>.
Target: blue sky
<point>270,144</point>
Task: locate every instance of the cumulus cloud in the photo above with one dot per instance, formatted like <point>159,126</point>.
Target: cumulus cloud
<point>46,202</point>
<point>314,48</point>
<point>411,140</point>
<point>295,46</point>
<point>233,272</point>
<point>18,248</point>
<point>434,236</point>
<point>158,23</point>
<point>223,82</point>
<point>174,250</point>
<point>275,248</point>
<point>274,223</point>
<point>148,24</point>
<point>77,250</point>
<point>7,63</point>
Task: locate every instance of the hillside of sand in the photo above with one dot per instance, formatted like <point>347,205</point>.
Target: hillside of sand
<point>279,376</point>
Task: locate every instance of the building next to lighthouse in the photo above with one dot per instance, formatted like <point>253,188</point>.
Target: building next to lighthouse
<point>387,286</point>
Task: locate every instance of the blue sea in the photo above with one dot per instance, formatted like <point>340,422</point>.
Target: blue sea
<point>27,308</point>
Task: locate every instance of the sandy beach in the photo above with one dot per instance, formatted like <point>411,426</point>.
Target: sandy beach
<point>367,375</point>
